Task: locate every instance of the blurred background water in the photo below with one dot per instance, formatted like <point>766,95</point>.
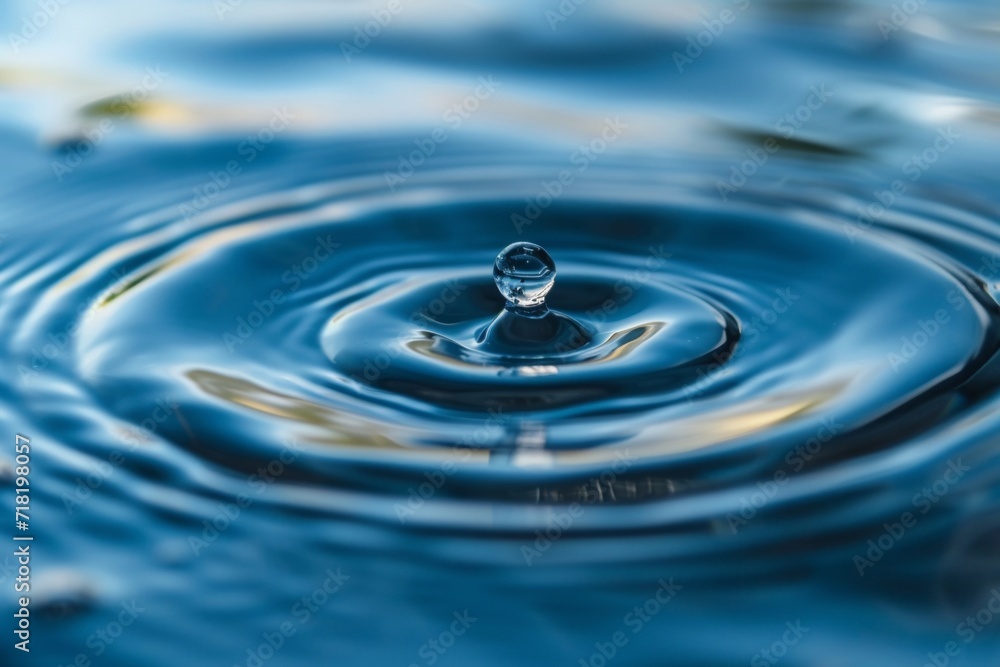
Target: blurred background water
<point>246,254</point>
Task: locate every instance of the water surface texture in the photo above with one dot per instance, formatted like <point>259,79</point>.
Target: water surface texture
<point>281,414</point>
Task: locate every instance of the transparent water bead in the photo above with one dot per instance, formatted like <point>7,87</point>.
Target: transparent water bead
<point>526,329</point>
<point>524,274</point>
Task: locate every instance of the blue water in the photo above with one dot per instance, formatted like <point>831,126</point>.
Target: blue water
<point>281,414</point>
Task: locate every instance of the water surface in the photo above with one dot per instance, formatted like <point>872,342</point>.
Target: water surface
<point>249,324</point>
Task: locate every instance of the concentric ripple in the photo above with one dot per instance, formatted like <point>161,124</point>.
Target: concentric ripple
<point>254,331</point>
<point>712,338</point>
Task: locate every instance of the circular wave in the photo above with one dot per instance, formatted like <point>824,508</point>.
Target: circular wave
<point>726,341</point>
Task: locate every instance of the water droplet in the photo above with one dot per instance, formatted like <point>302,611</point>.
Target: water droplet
<point>524,274</point>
